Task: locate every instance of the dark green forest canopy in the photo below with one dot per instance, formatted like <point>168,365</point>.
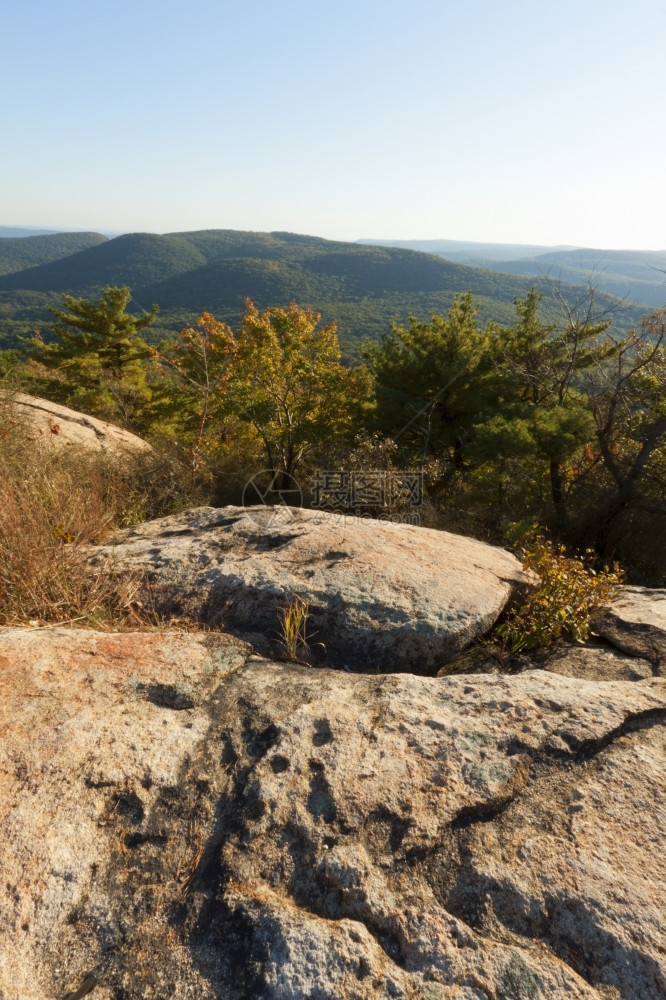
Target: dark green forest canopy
<point>360,287</point>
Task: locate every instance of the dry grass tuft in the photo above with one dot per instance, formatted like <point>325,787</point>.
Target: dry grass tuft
<point>294,622</point>
<point>53,504</point>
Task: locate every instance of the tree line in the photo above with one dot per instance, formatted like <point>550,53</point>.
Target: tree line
<point>560,424</point>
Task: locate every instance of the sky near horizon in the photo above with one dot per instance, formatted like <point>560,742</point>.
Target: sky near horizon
<point>491,120</point>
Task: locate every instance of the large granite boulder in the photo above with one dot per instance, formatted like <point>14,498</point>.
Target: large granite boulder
<point>379,594</point>
<point>56,426</point>
<point>180,819</point>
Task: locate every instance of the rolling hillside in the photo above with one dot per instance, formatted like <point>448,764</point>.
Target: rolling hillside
<point>135,259</point>
<point>361,287</point>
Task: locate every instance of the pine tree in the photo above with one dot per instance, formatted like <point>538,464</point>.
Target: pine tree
<point>98,359</point>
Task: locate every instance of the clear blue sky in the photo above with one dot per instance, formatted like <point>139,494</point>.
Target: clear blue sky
<point>504,120</point>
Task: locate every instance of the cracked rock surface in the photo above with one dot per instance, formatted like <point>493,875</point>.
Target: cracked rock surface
<point>375,590</point>
<point>181,819</point>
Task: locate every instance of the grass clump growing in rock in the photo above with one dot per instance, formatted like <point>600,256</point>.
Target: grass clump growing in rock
<point>563,603</point>
<point>293,629</point>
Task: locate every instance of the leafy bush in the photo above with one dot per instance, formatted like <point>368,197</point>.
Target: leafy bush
<point>563,603</point>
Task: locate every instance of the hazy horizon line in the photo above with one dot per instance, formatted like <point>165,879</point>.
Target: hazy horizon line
<point>113,234</point>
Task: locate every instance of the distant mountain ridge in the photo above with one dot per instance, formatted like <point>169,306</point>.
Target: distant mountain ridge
<point>636,275</point>
<point>625,273</point>
<point>20,232</point>
<point>362,287</point>
<point>465,250</point>
<point>20,253</point>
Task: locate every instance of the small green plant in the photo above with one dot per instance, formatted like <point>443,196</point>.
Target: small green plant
<point>563,603</point>
<point>294,622</point>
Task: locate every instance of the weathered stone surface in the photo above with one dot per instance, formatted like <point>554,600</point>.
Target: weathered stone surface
<point>88,744</point>
<point>636,623</point>
<point>294,833</point>
<point>595,663</point>
<point>57,426</point>
<point>378,593</point>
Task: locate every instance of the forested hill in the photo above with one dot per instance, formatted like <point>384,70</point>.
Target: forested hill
<point>361,287</point>
<point>19,253</point>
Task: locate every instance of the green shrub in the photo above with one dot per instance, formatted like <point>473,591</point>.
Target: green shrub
<point>569,591</point>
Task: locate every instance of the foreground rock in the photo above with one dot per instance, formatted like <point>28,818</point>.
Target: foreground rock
<point>57,426</point>
<point>378,593</point>
<point>181,821</point>
<point>94,729</point>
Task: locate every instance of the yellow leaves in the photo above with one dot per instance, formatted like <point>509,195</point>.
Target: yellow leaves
<point>280,374</point>
<point>570,591</point>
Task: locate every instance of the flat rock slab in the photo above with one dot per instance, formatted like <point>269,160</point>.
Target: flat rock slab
<point>635,622</point>
<point>378,593</point>
<point>57,426</point>
<point>287,833</point>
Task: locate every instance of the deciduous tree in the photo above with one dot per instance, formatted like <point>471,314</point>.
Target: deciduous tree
<point>281,374</point>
